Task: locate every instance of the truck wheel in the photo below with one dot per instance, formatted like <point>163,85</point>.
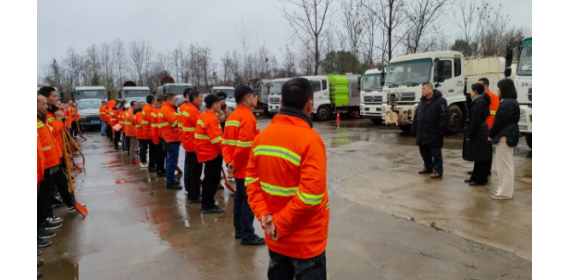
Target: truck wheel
<point>455,119</point>
<point>528,138</point>
<point>323,113</point>
<point>406,128</point>
<point>377,121</point>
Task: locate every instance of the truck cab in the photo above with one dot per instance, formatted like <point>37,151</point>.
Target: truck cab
<point>373,101</point>
<point>137,94</point>
<point>90,93</point>
<point>230,91</point>
<point>523,83</point>
<point>404,80</point>
<point>321,97</point>
<point>275,95</point>
<point>177,89</point>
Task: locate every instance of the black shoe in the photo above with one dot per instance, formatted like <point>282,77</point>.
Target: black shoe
<point>51,225</point>
<point>468,180</point>
<point>152,169</point>
<point>195,201</point>
<point>57,203</point>
<point>55,219</point>
<point>44,234</point>
<point>255,241</point>
<point>213,210</point>
<point>470,172</point>
<point>237,235</point>
<point>40,263</point>
<point>477,184</point>
<point>43,243</point>
<point>160,174</point>
<point>425,171</point>
<point>39,275</point>
<point>40,252</point>
<point>174,186</point>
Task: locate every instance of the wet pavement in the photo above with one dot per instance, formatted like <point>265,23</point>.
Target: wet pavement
<point>387,222</point>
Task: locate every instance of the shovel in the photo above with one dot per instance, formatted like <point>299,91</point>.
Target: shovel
<point>80,208</point>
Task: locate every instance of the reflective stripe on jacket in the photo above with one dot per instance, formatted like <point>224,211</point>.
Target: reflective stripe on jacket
<point>57,126</point>
<point>241,129</point>
<point>48,144</point>
<point>147,129</point>
<point>208,137</point>
<point>495,102</point>
<point>129,123</point>
<point>190,116</point>
<point>168,123</point>
<point>139,125</point>
<point>286,177</point>
<point>154,125</point>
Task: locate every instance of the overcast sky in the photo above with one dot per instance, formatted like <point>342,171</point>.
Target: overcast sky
<point>167,23</point>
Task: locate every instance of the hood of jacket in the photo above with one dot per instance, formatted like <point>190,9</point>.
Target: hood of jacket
<point>436,94</point>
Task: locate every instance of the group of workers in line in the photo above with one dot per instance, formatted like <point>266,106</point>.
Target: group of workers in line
<point>491,120</point>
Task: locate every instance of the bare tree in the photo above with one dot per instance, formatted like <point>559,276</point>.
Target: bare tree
<point>141,53</point>
<point>120,59</point>
<point>371,28</point>
<point>73,66</point>
<point>496,32</point>
<point>106,59</point>
<point>227,68</point>
<point>243,36</point>
<point>92,75</point>
<point>177,57</point>
<point>390,14</point>
<point>308,20</point>
<point>289,62</point>
<point>422,16</point>
<point>353,22</point>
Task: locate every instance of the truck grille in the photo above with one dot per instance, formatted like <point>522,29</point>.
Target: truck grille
<point>274,100</point>
<point>373,99</point>
<point>408,96</point>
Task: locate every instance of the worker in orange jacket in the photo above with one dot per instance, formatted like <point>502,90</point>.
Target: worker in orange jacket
<point>103,117</point>
<point>208,140</point>
<point>493,107</point>
<point>51,166</point>
<point>286,184</point>
<point>241,130</point>
<point>192,168</point>
<point>157,139</point>
<point>114,115</point>
<point>168,122</point>
<point>122,112</point>
<point>73,119</point>
<point>41,162</point>
<point>54,118</point>
<point>147,144</point>
<point>131,133</point>
<point>109,131</point>
<point>140,131</point>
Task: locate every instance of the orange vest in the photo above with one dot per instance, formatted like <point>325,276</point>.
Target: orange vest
<point>110,106</point>
<point>241,129</point>
<point>286,177</point>
<point>56,132</point>
<point>190,116</point>
<point>48,145</point>
<point>129,122</point>
<point>495,102</point>
<point>208,137</point>
<point>179,115</point>
<point>122,117</point>
<point>154,126</point>
<point>41,161</point>
<point>147,128</point>
<point>139,125</point>
<point>113,117</point>
<point>168,123</point>
<point>103,113</point>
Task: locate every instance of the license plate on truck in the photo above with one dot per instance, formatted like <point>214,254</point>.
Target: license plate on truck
<point>95,122</point>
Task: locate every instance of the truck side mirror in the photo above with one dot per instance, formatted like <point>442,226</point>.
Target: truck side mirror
<point>440,71</point>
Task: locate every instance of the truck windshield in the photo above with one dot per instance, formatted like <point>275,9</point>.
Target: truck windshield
<point>136,93</point>
<point>409,72</point>
<point>275,88</point>
<point>229,92</point>
<point>525,61</point>
<point>372,82</point>
<point>178,90</point>
<point>96,94</point>
<point>91,104</point>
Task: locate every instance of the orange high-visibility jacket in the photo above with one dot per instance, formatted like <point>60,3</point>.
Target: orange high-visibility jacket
<point>147,128</point>
<point>48,145</point>
<point>179,116</point>
<point>495,102</point>
<point>241,129</point>
<point>122,117</point>
<point>190,116</point>
<point>168,123</point>
<point>57,126</point>
<point>130,128</point>
<point>208,137</point>
<point>114,117</point>
<point>103,113</point>
<point>110,106</point>
<point>139,125</point>
<point>154,126</point>
<point>41,161</point>
<point>286,177</point>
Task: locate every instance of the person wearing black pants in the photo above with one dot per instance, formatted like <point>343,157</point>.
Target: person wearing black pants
<point>161,159</point>
<point>61,181</point>
<point>45,195</point>
<point>74,129</point>
<point>192,174</point>
<point>116,139</point>
<point>476,146</point>
<point>109,132</point>
<point>152,152</point>
<point>213,175</point>
<point>143,150</point>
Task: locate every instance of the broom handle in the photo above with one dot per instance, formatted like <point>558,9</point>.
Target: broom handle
<point>67,161</point>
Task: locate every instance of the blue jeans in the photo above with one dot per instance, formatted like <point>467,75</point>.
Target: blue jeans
<point>103,128</point>
<point>243,216</point>
<point>432,158</point>
<point>172,153</point>
<point>286,268</point>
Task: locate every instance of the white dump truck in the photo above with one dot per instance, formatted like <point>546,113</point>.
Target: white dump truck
<point>450,73</point>
<point>90,93</point>
<point>523,82</point>
<point>373,101</point>
<point>275,95</point>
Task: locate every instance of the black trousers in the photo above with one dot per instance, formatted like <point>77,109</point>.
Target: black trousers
<point>126,143</point>
<point>192,175</point>
<point>160,157</point>
<point>481,171</point>
<point>62,184</point>
<point>117,138</point>
<point>74,129</point>
<point>45,194</point>
<point>213,175</point>
<point>152,154</point>
<point>109,132</point>
<point>143,149</point>
<point>286,268</point>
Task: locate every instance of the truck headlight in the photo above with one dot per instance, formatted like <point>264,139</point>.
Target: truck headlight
<point>523,117</point>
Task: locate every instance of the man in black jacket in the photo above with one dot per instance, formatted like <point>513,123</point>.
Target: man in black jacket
<point>431,121</point>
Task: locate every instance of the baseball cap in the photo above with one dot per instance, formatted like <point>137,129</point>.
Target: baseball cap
<point>242,90</point>
<point>211,98</point>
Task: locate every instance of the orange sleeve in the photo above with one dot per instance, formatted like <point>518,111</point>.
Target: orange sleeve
<point>246,136</point>
<point>226,150</point>
<point>57,126</point>
<point>312,185</point>
<point>256,196</point>
<point>215,135</point>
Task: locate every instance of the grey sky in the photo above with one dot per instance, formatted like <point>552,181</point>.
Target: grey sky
<point>166,24</point>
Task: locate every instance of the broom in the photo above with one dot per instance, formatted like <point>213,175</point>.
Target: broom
<point>80,208</point>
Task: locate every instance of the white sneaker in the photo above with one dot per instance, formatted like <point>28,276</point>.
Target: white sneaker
<point>144,165</point>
